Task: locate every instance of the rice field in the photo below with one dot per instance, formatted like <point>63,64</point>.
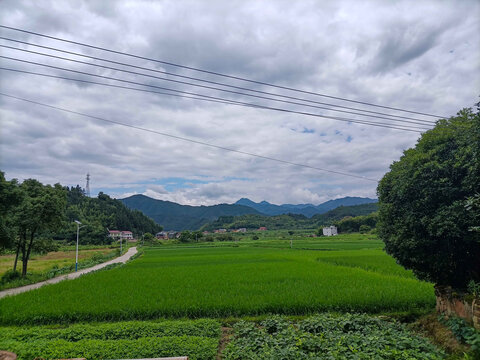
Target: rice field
<point>231,280</point>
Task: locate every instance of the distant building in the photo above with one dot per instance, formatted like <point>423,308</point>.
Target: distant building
<point>221,231</point>
<point>262,228</point>
<point>114,234</point>
<point>242,230</point>
<point>127,235</point>
<point>117,234</point>
<point>161,235</point>
<point>330,231</point>
<point>173,235</point>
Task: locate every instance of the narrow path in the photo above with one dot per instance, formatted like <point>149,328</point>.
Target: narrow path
<point>121,259</point>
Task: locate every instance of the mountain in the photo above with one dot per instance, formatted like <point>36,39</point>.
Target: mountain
<point>291,221</point>
<point>308,210</point>
<point>173,216</point>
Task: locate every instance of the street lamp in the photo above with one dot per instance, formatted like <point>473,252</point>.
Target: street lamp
<point>76,254</point>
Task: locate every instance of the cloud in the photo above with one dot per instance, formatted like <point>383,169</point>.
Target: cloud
<point>374,52</point>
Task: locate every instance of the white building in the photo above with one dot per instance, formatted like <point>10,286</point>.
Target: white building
<point>127,235</point>
<point>330,231</point>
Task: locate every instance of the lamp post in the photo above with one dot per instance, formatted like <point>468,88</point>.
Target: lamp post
<point>76,254</point>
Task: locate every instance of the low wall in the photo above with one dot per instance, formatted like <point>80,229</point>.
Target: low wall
<point>451,302</point>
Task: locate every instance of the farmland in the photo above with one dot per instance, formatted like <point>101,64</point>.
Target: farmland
<point>233,279</point>
<point>271,300</point>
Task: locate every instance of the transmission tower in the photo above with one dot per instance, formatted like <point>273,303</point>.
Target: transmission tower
<point>87,188</point>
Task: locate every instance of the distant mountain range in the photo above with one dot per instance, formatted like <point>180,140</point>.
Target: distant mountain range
<point>173,216</point>
<point>308,210</point>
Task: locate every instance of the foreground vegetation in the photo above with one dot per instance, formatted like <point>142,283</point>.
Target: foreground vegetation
<point>327,336</point>
<point>235,280</point>
<point>196,338</point>
<point>239,284</point>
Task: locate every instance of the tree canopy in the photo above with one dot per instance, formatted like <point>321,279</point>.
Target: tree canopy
<point>427,212</point>
<point>33,214</point>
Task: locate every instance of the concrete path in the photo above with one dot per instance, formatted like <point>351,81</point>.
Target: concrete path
<point>121,259</point>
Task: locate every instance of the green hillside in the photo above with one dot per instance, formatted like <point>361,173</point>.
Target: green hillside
<point>290,221</point>
<point>98,214</point>
<point>173,216</point>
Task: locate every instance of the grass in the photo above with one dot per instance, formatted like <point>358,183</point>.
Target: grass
<point>42,263</point>
<point>206,281</point>
<point>92,259</point>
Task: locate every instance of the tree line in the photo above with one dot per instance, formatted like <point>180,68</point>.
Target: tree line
<point>34,215</point>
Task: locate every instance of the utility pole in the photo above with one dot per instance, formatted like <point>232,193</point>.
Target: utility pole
<point>76,252</point>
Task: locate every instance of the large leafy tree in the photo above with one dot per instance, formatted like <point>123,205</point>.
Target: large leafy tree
<point>42,208</point>
<point>10,197</point>
<point>426,215</point>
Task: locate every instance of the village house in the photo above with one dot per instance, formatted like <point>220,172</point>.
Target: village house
<point>330,231</point>
<point>127,235</point>
<point>117,234</point>
<point>114,234</point>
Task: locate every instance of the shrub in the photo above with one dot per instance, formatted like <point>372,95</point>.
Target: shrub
<point>10,276</point>
<point>364,229</point>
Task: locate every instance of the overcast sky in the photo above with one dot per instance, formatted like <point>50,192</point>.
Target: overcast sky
<point>418,55</point>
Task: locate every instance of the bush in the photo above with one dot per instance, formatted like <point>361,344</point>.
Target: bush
<point>364,229</point>
<point>10,276</point>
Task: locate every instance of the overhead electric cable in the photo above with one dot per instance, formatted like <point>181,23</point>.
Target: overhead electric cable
<point>196,79</point>
<point>189,140</point>
<point>219,74</point>
<point>216,99</point>
<point>418,122</point>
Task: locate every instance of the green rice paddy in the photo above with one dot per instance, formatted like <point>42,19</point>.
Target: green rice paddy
<point>231,279</point>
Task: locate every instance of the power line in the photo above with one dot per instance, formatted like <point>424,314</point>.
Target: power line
<point>219,74</point>
<point>418,122</point>
<point>215,99</point>
<point>195,79</point>
<point>187,139</point>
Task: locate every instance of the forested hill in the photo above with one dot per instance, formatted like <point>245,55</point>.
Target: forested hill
<point>174,216</point>
<point>290,221</point>
<point>98,214</point>
<point>308,210</point>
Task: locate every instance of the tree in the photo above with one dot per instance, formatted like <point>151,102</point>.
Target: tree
<point>10,197</point>
<point>425,203</point>
<point>41,209</point>
<point>149,239</point>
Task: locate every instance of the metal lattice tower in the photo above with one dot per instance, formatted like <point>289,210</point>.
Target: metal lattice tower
<point>87,188</point>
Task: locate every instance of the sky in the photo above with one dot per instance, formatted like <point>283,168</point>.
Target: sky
<point>422,56</point>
